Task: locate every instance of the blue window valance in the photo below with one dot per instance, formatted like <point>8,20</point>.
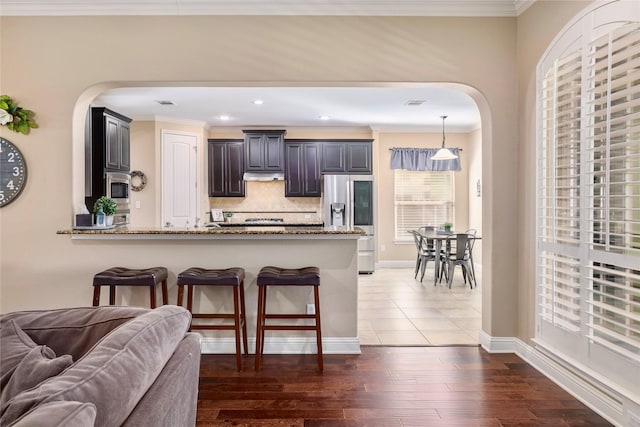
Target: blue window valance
<point>419,159</point>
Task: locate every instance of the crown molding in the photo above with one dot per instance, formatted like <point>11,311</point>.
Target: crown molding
<point>273,7</point>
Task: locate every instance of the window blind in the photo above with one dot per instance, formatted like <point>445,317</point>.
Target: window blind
<point>421,199</point>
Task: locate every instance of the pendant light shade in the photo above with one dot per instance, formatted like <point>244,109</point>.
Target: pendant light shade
<point>444,153</point>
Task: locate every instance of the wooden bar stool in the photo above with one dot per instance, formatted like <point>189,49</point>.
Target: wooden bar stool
<point>276,276</point>
<point>233,277</point>
<point>121,276</point>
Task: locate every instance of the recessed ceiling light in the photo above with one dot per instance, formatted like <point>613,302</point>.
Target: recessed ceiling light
<point>166,102</point>
<point>258,102</point>
<point>224,117</point>
<point>415,102</point>
<point>324,117</point>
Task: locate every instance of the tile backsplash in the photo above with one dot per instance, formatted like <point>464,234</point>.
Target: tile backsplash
<point>266,200</point>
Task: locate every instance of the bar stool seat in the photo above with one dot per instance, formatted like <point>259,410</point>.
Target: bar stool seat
<point>276,276</point>
<point>234,277</point>
<point>122,276</point>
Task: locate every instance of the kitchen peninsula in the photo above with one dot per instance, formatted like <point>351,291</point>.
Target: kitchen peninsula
<point>332,249</point>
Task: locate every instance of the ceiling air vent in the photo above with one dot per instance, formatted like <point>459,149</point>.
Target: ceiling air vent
<point>166,102</point>
<point>415,102</point>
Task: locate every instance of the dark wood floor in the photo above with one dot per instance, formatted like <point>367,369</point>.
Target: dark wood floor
<point>386,386</point>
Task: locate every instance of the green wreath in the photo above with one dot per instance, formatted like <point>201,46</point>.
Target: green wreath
<point>143,180</point>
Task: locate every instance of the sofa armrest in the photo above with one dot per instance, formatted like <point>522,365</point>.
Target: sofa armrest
<point>72,330</point>
<point>172,400</point>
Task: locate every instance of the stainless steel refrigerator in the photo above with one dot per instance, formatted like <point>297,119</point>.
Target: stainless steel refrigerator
<point>348,202</point>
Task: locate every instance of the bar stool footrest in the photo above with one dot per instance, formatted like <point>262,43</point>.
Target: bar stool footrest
<point>288,328</point>
<point>290,316</point>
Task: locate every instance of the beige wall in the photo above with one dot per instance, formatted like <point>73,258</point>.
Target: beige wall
<point>65,61</point>
<point>475,201</point>
<point>143,158</point>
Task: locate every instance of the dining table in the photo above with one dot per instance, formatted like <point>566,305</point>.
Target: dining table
<point>440,236</point>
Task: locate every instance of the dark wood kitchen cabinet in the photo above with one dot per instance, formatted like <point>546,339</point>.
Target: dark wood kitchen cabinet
<point>110,135</point>
<point>346,157</point>
<point>302,169</point>
<point>107,148</point>
<point>334,158</point>
<point>359,158</point>
<point>264,150</point>
<point>226,167</point>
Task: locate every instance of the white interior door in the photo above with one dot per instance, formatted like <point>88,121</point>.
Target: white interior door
<point>179,179</point>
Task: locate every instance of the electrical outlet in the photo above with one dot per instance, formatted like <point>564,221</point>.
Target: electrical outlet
<point>383,248</point>
<point>311,309</point>
<point>137,204</point>
<point>307,216</point>
<point>634,420</point>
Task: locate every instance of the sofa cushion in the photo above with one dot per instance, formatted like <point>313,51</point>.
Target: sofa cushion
<point>72,330</point>
<point>116,372</point>
<point>14,346</point>
<point>39,364</point>
<point>59,414</point>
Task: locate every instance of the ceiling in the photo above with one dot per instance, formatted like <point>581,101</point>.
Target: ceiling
<point>400,109</point>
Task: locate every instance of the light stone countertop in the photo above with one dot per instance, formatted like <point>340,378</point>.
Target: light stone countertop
<point>280,232</point>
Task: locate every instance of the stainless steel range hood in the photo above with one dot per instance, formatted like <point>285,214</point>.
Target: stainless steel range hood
<point>263,176</point>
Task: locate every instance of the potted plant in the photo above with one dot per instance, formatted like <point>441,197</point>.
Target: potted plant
<point>228,216</point>
<point>447,226</point>
<point>108,207</point>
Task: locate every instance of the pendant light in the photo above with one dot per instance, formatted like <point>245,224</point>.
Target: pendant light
<point>444,153</point>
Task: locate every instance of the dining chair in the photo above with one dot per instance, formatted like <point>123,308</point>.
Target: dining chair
<point>460,254</point>
<point>426,252</point>
<point>417,239</point>
<point>430,246</point>
<point>472,233</point>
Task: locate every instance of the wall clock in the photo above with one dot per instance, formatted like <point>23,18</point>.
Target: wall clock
<point>13,172</point>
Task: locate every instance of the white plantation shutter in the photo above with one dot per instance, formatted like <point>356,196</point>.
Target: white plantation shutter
<point>421,199</point>
<point>588,210</point>
<point>560,290</point>
<point>613,180</point>
<point>559,163</point>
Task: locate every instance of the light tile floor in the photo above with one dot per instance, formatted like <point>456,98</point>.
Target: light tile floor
<point>396,309</point>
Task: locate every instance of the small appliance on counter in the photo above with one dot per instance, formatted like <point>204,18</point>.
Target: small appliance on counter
<point>217,215</point>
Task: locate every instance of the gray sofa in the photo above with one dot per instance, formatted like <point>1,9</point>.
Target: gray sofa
<point>102,366</point>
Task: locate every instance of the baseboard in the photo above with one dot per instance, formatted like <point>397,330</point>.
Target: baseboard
<point>497,344</point>
<point>284,345</point>
<point>410,264</point>
<point>605,401</point>
<point>396,264</point>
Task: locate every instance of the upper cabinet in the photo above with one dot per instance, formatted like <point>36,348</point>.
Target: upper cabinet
<point>346,157</point>
<point>359,157</point>
<point>226,166</point>
<point>110,140</point>
<point>334,157</point>
<point>107,148</point>
<point>302,169</point>
<point>264,150</point>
